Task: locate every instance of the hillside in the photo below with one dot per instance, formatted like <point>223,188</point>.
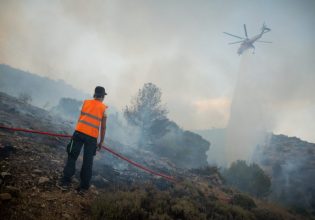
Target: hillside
<point>30,166</point>
<point>291,164</point>
<point>289,161</point>
<point>44,92</point>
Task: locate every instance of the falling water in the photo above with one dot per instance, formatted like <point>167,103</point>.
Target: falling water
<point>248,118</point>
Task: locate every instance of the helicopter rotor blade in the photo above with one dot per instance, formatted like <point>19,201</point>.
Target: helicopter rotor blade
<point>234,36</point>
<point>237,42</point>
<point>245,30</point>
<point>261,41</point>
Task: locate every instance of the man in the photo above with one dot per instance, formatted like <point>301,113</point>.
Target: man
<point>93,115</point>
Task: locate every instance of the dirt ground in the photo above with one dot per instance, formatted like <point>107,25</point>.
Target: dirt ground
<point>29,174</point>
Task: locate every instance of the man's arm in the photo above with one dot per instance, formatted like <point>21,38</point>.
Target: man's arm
<point>103,131</point>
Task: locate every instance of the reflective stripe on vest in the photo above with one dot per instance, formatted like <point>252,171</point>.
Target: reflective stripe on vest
<point>90,118</point>
<point>88,123</point>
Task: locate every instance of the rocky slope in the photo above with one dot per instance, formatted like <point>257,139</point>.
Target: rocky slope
<point>30,166</point>
<point>289,161</point>
<point>291,164</point>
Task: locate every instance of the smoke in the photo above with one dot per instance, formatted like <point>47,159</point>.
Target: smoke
<point>178,45</point>
<point>121,46</point>
<point>289,163</point>
<point>118,129</point>
<point>250,117</point>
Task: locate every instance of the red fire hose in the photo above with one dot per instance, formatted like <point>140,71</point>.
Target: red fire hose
<point>166,177</point>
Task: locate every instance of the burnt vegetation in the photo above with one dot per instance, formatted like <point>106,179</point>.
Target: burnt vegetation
<point>162,136</point>
<point>30,166</point>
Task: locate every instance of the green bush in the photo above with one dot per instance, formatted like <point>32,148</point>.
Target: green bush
<point>225,211</point>
<point>120,205</point>
<point>147,203</point>
<point>185,209</point>
<point>206,170</point>
<point>243,201</point>
<point>183,201</point>
<point>248,178</point>
<point>266,214</point>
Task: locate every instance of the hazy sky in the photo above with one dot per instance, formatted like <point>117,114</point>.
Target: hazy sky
<point>178,45</point>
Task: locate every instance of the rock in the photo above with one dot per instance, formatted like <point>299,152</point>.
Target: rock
<point>66,215</point>
<point>43,180</point>
<point>4,177</point>
<point>6,151</point>
<point>13,190</point>
<point>100,181</point>
<point>5,196</point>
<point>37,171</point>
<point>94,191</point>
<point>6,174</point>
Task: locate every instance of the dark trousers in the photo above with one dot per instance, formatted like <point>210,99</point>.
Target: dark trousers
<point>73,149</point>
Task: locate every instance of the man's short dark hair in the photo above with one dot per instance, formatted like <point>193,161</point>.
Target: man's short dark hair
<point>98,96</point>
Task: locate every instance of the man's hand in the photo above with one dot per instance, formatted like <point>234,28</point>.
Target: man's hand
<point>99,146</point>
<point>103,129</point>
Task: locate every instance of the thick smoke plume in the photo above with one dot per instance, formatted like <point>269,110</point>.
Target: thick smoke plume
<point>177,45</point>
<point>249,117</point>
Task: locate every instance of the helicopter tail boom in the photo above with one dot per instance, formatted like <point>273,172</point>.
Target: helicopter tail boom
<point>265,29</point>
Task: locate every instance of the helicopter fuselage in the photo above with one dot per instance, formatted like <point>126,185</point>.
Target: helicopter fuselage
<point>248,43</point>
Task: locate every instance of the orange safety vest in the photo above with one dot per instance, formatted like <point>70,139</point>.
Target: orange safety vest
<point>91,117</point>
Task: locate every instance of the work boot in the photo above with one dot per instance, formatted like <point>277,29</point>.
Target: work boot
<point>64,186</point>
<point>81,191</point>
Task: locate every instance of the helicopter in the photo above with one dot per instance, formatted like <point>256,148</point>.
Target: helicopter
<point>247,43</point>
